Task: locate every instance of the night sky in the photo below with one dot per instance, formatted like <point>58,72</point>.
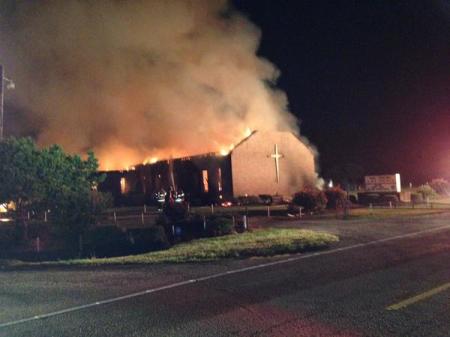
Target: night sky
<point>370,81</point>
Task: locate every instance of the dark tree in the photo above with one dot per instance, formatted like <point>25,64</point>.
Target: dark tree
<point>48,180</point>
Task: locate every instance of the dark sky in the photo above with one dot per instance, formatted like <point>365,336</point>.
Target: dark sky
<point>370,80</point>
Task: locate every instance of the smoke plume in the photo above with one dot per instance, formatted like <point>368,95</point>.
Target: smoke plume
<point>134,80</point>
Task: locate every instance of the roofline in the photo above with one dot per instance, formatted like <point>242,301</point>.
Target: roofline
<point>243,140</point>
<point>205,154</point>
<point>209,154</point>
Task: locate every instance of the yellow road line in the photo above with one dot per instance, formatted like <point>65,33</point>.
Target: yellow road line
<point>420,297</point>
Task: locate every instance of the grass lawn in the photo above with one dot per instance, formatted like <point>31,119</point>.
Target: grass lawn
<point>442,201</point>
<point>262,242</point>
<point>382,213</point>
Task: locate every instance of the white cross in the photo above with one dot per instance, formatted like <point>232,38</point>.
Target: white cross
<point>277,156</point>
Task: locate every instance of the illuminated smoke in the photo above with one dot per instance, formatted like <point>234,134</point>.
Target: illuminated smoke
<point>139,80</point>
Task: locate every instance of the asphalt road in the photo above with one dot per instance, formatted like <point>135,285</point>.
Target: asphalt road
<point>381,280</point>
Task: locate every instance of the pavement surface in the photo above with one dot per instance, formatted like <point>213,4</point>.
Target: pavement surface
<point>385,278</point>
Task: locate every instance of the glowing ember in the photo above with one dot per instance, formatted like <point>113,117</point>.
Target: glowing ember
<point>224,152</point>
<point>130,156</point>
<point>173,153</point>
<point>123,185</point>
<point>151,160</point>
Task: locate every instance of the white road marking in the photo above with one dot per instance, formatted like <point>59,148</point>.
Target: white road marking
<point>218,275</point>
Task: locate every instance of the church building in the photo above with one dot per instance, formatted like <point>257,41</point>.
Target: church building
<point>265,163</point>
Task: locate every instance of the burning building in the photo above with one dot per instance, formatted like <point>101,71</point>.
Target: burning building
<point>265,162</point>
<point>128,79</point>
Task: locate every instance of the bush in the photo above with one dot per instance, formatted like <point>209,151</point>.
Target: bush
<point>175,211</point>
<point>416,198</point>
<point>148,239</point>
<point>8,237</point>
<point>162,220</point>
<point>250,200</point>
<point>38,229</point>
<point>266,199</point>
<point>190,226</point>
<point>311,199</point>
<point>441,186</point>
<point>353,199</point>
<point>427,191</point>
<point>107,241</point>
<point>336,197</point>
<point>219,225</point>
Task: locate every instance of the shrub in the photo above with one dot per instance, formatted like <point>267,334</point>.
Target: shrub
<point>250,200</point>
<point>148,239</point>
<point>8,237</point>
<point>175,211</point>
<point>193,226</point>
<point>336,197</point>
<point>266,199</point>
<point>353,199</point>
<point>107,241</point>
<point>163,221</point>
<point>416,198</point>
<point>441,186</point>
<point>311,199</point>
<point>219,225</point>
<point>427,191</point>
<point>37,228</point>
<point>190,226</point>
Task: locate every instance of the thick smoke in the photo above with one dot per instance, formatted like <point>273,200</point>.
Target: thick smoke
<point>138,79</point>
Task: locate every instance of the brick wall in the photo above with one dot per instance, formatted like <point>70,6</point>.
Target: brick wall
<point>254,170</point>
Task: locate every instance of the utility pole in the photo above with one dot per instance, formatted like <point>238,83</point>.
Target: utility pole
<point>2,87</point>
<point>9,85</point>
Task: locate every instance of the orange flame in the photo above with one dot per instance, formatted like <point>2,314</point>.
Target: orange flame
<point>119,157</point>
